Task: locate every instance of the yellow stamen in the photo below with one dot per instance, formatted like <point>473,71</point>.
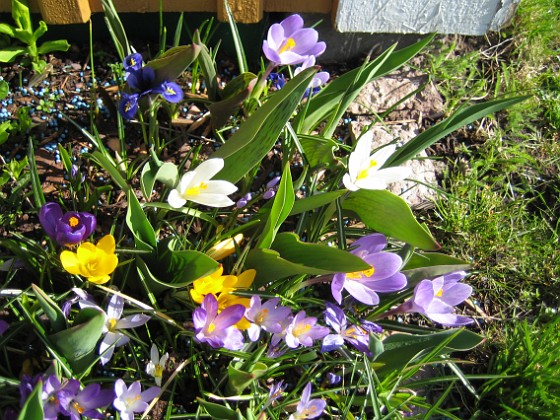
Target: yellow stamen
<point>301,329</point>
<point>196,189</point>
<point>439,293</point>
<point>364,172</point>
<point>211,327</point>
<point>288,46</point>
<point>112,323</point>
<point>78,407</point>
<point>73,221</point>
<point>132,61</point>
<point>361,274</point>
<point>128,106</point>
<point>170,91</point>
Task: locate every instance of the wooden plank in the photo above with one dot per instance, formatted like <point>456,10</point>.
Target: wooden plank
<point>62,12</point>
<point>466,17</point>
<point>244,11</point>
<point>297,6</point>
<point>145,6</point>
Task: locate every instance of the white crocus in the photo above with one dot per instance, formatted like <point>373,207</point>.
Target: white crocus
<point>197,186</point>
<point>364,168</point>
<point>156,366</point>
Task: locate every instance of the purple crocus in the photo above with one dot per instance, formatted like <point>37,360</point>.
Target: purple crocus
<point>113,323</point>
<point>67,228</point>
<point>267,316</point>
<point>26,387</point>
<point>274,394</point>
<point>321,78</point>
<point>132,400</point>
<point>271,188</point>
<point>354,334</point>
<point>303,330</point>
<point>218,329</point>
<point>288,42</point>
<point>243,201</point>
<point>307,408</point>
<point>436,299</point>
<point>86,402</point>
<point>383,276</point>
<point>55,391</point>
<point>3,327</point>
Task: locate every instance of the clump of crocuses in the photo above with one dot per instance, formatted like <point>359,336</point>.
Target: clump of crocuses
<point>68,228</point>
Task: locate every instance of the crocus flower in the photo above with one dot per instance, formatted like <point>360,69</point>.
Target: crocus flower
<point>130,400</point>
<point>66,228</point>
<point>266,316</point>
<point>354,334</point>
<point>218,329</point>
<point>302,331</point>
<point>54,392</point>
<point>364,168</point>
<point>197,186</point>
<point>271,188</point>
<point>225,248</point>
<point>242,202</point>
<point>275,392</point>
<point>321,78</point>
<point>307,408</point>
<point>26,386</point>
<point>383,276</point>
<point>95,262</point>
<point>113,323</point>
<point>86,402</point>
<point>288,42</point>
<point>436,299</point>
<point>156,366</point>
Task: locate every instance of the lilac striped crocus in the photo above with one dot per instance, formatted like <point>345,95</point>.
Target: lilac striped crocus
<point>55,391</point>
<point>303,331</point>
<point>267,316</point>
<point>68,228</point>
<point>218,329</point>
<point>130,400</point>
<point>114,324</point>
<point>288,42</point>
<point>354,334</point>
<point>86,402</point>
<point>436,299</point>
<point>382,277</point>
<point>308,408</point>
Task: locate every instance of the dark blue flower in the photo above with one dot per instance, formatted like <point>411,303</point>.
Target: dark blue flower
<point>132,62</point>
<point>128,105</point>
<point>171,91</point>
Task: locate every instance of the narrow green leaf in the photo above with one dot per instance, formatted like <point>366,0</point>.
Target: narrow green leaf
<point>51,309</point>
<point>218,411</point>
<point>389,214</point>
<point>116,29</point>
<point>36,185</point>
<point>109,165</point>
<point>290,257</point>
<point>238,44</point>
<point>208,67</point>
<point>139,225</point>
<point>257,135</point>
<point>315,201</point>
<point>33,407</point>
<point>459,119</point>
<point>281,207</point>
<point>184,210</point>
<point>7,30</point>
<point>431,264</point>
<point>56,45</point>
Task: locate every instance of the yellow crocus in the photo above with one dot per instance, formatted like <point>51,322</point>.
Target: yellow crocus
<point>95,262</point>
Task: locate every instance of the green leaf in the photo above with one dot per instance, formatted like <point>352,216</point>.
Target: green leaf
<point>108,164</point>
<point>116,29</point>
<point>51,309</point>
<point>431,264</point>
<point>218,411</point>
<point>56,45</point>
<point>231,104</point>
<point>281,207</point>
<point>21,15</point>
<point>139,225</point>
<point>33,407</point>
<point>401,349</point>
<point>257,135</point>
<point>8,54</point>
<point>289,256</point>
<point>40,31</point>
<point>315,201</point>
<point>332,101</point>
<point>240,52</point>
<point>4,89</point>
<point>173,62</point>
<point>318,150</point>
<point>458,119</point>
<point>7,30</point>
<point>208,67</point>
<point>151,172</point>
<point>36,185</point>
<point>389,214</point>
<point>78,344</point>
<point>185,210</point>
<point>239,379</point>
